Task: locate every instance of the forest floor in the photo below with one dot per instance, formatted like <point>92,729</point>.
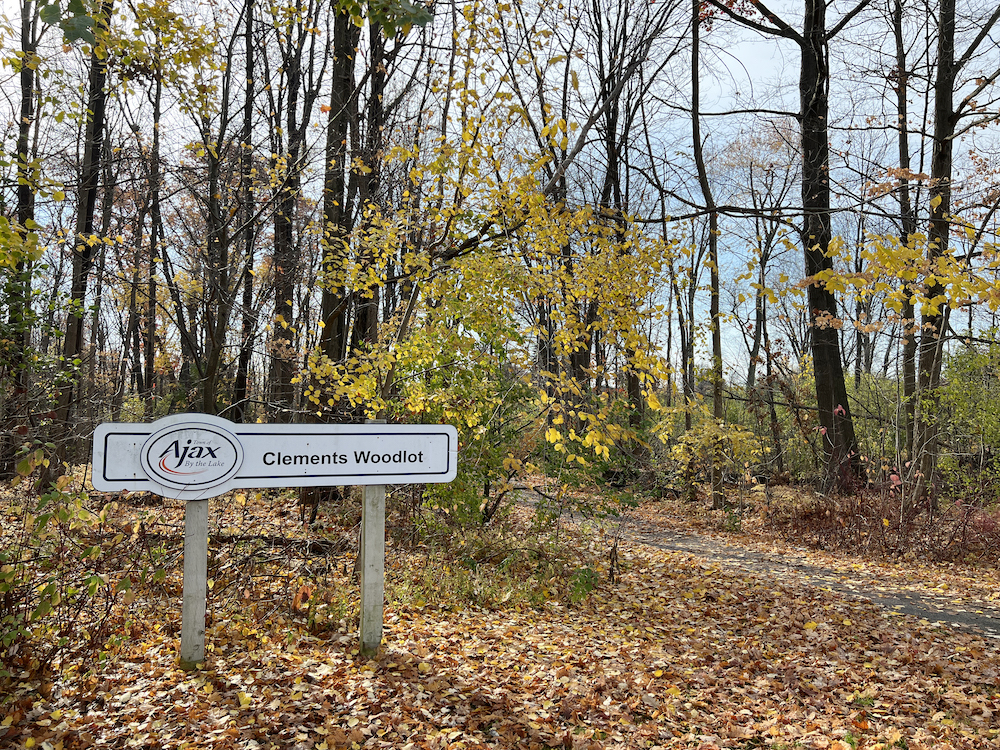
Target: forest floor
<point>692,636</point>
<point>965,597</point>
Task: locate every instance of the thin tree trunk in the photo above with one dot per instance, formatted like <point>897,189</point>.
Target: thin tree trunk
<point>908,222</point>
<point>241,386</point>
<point>718,412</point>
<point>302,91</point>
<point>83,248</point>
<point>336,209</point>
<point>14,421</point>
<point>149,340</point>
<point>934,318</point>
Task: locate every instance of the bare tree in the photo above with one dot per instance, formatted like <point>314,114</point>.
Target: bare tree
<point>837,425</point>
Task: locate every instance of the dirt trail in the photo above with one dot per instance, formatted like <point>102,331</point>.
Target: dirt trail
<point>964,612</point>
<point>897,599</point>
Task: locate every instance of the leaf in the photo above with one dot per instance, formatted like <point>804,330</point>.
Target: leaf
<point>79,29</point>
<point>50,13</point>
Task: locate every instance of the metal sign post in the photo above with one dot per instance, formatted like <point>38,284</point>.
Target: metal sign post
<point>195,457</point>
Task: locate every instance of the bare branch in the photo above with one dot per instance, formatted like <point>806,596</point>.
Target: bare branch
<point>847,18</point>
<point>983,34</point>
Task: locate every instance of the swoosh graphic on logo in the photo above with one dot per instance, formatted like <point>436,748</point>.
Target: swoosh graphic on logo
<point>168,470</point>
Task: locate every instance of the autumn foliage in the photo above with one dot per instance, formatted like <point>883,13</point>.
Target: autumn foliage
<point>677,653</point>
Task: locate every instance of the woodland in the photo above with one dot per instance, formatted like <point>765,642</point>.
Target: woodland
<point>721,261</point>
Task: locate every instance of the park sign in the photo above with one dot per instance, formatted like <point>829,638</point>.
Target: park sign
<point>199,456</point>
<point>195,457</point>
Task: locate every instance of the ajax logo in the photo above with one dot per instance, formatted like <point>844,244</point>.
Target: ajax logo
<point>191,456</point>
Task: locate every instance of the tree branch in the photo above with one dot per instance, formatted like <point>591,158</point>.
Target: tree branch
<point>782,29</point>
<point>983,33</point>
<point>847,19</point>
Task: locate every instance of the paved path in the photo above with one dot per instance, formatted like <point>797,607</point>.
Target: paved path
<point>975,617</point>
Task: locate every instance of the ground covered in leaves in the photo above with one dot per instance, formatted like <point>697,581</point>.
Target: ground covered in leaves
<point>661,650</point>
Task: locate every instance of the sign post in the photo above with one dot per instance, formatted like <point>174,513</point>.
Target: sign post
<point>372,558</point>
<point>195,584</point>
<point>372,567</point>
<point>195,457</point>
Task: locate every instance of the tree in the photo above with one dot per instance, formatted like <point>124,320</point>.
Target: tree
<point>17,292</point>
<point>718,408</point>
<point>837,426</point>
<point>935,313</point>
<point>85,242</point>
<point>292,95</point>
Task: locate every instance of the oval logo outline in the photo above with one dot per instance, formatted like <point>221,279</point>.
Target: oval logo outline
<point>191,456</point>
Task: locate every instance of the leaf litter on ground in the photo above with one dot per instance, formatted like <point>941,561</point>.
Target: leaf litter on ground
<point>676,654</point>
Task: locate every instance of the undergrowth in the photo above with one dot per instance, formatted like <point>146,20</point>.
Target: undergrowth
<point>80,574</point>
<point>880,523</point>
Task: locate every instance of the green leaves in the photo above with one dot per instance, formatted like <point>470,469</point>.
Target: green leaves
<point>581,583</point>
<point>76,24</point>
<point>391,15</point>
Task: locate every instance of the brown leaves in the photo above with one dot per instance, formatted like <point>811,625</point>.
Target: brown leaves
<point>678,654</point>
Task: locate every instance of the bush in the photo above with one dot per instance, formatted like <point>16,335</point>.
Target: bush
<point>63,569</point>
<point>880,522</point>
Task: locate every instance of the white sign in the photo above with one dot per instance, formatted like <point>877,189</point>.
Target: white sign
<point>198,456</point>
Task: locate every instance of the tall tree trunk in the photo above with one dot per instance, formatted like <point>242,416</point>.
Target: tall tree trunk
<point>337,223</point>
<point>241,386</point>
<point>219,294</point>
<point>14,421</point>
<point>843,461</point>
<point>149,339</point>
<point>839,441</point>
<point>88,389</point>
<point>299,97</point>
<point>366,318</point>
<point>286,262</point>
<point>934,318</point>
<point>336,206</point>
<point>908,225</point>
<point>718,412</point>
<point>83,247</point>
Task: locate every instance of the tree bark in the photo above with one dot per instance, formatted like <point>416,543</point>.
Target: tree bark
<point>336,205</point>
<point>934,318</point>
<point>718,410</point>
<point>15,418</point>
<point>908,226</point>
<point>241,385</point>
<point>300,95</point>
<point>839,441</point>
<point>83,247</point>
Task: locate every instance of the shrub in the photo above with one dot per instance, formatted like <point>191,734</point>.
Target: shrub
<point>63,569</point>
